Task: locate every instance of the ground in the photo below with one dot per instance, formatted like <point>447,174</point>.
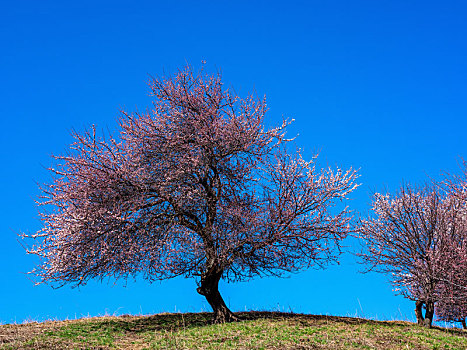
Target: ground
<point>257,330</point>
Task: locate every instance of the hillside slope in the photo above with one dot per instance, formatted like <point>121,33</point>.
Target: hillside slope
<point>259,330</point>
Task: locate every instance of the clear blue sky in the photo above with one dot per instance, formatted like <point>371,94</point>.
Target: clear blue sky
<point>377,85</point>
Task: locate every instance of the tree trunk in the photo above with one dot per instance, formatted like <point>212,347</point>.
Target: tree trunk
<point>464,325</point>
<point>430,311</point>
<point>419,312</point>
<point>209,288</point>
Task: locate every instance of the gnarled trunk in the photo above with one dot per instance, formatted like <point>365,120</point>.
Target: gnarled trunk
<point>209,288</point>
<point>419,312</point>
<point>429,313</point>
<point>426,320</point>
<point>464,325</point>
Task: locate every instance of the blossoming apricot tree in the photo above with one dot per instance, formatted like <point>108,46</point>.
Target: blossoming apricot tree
<point>413,237</point>
<point>195,187</point>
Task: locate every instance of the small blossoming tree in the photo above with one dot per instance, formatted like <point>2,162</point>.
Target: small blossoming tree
<point>411,237</point>
<point>194,187</point>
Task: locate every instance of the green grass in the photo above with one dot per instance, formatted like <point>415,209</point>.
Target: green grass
<point>258,330</point>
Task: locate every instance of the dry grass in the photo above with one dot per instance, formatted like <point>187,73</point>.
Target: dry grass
<point>258,330</point>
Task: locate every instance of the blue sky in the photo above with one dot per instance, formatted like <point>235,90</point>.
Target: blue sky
<point>377,85</point>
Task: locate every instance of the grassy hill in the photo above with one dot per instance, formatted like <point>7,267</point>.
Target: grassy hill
<point>259,330</point>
